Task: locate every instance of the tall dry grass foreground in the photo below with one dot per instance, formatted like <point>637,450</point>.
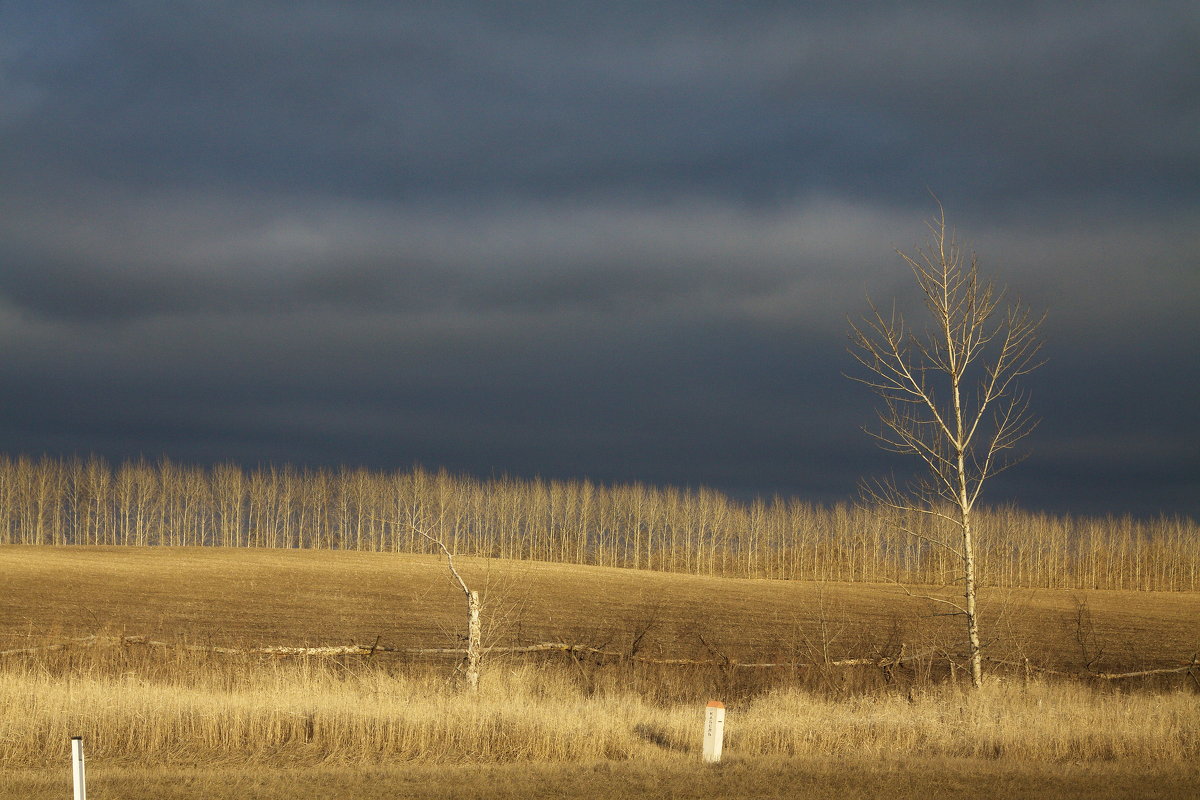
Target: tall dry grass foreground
<point>193,709</point>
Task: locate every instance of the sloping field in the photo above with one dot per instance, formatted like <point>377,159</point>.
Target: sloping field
<point>252,597</point>
<point>182,723</point>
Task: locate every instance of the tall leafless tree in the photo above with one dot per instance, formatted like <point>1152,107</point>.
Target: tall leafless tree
<point>950,397</point>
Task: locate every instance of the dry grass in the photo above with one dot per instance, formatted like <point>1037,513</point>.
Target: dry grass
<point>185,708</point>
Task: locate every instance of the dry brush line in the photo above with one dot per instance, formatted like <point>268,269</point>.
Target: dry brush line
<point>573,649</point>
<point>368,650</point>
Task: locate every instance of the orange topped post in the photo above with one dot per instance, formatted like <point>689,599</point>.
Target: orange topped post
<point>714,731</point>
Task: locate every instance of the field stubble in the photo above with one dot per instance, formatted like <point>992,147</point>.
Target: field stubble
<point>260,596</point>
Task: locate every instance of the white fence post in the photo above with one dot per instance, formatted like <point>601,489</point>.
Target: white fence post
<point>77,770</point>
<point>714,731</point>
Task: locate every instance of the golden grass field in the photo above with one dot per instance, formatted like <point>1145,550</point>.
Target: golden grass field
<point>173,722</point>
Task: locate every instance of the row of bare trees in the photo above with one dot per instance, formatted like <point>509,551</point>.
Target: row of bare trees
<point>91,502</point>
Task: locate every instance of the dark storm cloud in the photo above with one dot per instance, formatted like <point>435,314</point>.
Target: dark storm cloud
<point>617,241</point>
<point>658,98</point>
<point>132,256</point>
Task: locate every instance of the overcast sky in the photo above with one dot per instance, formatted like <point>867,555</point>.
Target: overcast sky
<point>608,240</point>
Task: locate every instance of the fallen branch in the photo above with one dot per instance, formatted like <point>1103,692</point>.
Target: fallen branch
<point>367,650</point>
<point>1028,666</point>
<point>46,647</point>
<point>1164,671</point>
<point>1108,676</point>
<point>559,647</point>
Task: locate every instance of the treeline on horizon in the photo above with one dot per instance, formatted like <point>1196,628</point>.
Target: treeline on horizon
<point>76,501</point>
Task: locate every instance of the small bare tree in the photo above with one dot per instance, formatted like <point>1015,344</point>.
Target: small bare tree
<point>950,398</point>
<point>474,637</point>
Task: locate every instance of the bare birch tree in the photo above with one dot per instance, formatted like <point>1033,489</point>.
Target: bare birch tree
<point>474,637</point>
<point>950,397</point>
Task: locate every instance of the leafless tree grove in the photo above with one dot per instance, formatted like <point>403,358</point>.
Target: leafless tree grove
<point>92,502</point>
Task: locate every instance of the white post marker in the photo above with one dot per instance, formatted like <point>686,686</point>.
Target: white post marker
<point>77,770</point>
<point>714,731</point>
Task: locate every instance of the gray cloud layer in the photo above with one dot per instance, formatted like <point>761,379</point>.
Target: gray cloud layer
<point>618,242</point>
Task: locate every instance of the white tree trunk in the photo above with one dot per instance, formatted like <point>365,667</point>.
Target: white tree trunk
<point>973,649</point>
<point>473,640</point>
